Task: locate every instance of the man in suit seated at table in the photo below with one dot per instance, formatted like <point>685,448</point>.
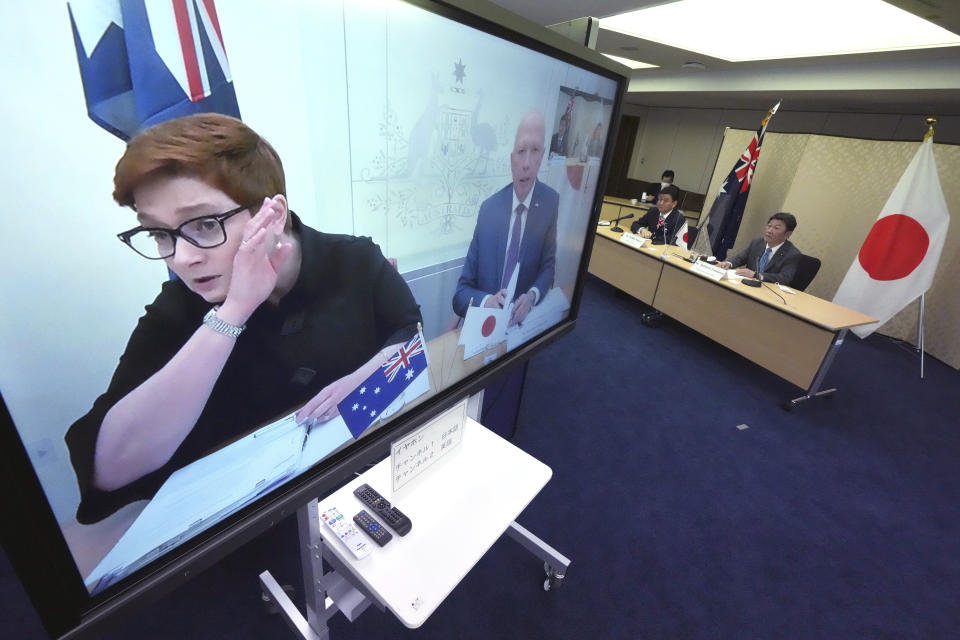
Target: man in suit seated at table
<point>771,257</point>
<point>516,226</point>
<point>664,221</point>
<point>560,143</point>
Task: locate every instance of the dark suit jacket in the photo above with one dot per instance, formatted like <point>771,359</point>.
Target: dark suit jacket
<point>483,268</point>
<point>672,225</point>
<point>782,266</point>
<point>559,145</point>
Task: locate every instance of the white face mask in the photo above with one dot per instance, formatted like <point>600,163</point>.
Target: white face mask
<point>663,185</point>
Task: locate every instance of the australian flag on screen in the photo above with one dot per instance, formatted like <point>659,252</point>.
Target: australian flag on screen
<point>146,61</point>
<point>366,403</point>
<point>727,209</point>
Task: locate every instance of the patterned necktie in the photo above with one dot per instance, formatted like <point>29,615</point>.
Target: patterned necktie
<point>513,252</point>
<point>763,260</point>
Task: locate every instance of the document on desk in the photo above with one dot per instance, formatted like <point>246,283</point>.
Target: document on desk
<point>204,492</point>
<point>323,440</point>
<point>541,317</point>
<point>732,275</point>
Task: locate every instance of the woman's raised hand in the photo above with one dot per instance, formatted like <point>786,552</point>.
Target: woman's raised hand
<point>256,265</point>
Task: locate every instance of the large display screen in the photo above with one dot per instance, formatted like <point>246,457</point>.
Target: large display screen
<point>420,127</point>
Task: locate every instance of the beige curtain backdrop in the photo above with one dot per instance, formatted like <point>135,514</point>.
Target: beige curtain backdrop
<point>836,188</point>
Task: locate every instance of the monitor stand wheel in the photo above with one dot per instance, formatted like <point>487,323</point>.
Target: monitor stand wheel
<point>269,603</point>
<point>554,578</point>
<point>652,318</point>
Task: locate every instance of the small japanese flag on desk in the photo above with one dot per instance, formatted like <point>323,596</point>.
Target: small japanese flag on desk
<point>682,236</point>
<point>483,327</point>
<point>899,257</point>
<point>401,379</point>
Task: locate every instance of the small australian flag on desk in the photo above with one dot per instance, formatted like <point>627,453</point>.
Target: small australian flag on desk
<point>366,403</point>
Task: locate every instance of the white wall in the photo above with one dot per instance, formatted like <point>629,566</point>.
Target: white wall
<point>688,140</point>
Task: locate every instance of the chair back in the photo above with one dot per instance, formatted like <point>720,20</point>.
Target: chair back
<point>806,272</point>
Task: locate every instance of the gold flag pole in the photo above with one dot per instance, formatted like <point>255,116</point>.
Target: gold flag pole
<point>930,121</point>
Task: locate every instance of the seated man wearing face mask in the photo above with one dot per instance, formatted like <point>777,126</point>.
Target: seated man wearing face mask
<point>664,221</point>
<point>665,180</point>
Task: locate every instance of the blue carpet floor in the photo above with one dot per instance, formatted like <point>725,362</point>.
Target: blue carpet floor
<point>838,520</point>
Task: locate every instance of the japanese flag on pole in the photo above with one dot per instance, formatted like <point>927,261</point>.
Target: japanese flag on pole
<point>898,259</point>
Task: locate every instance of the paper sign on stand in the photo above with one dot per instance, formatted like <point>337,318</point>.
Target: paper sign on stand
<point>708,270</point>
<point>412,454</point>
<point>633,240</point>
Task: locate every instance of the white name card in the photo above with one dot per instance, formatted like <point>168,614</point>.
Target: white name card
<point>633,240</point>
<point>711,271</point>
<point>412,454</point>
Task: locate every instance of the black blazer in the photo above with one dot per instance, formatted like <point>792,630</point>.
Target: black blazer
<point>672,225</point>
<point>782,266</point>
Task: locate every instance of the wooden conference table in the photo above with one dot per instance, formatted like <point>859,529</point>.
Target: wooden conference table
<point>795,337</point>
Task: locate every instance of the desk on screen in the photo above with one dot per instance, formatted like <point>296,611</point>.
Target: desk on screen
<point>90,544</point>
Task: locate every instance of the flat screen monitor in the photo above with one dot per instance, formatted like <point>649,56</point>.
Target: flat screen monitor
<point>409,133</point>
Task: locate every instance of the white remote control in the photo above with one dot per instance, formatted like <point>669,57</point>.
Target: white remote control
<point>347,532</point>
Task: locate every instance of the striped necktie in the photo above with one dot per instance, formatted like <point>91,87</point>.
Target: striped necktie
<point>513,253</point>
<point>762,262</point>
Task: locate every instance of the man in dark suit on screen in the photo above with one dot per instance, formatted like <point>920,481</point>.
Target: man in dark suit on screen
<point>771,257</point>
<point>560,142</point>
<point>516,226</point>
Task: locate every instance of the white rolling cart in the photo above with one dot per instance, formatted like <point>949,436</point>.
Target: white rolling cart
<point>459,506</point>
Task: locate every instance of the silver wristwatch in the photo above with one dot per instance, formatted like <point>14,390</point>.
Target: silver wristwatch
<point>218,325</point>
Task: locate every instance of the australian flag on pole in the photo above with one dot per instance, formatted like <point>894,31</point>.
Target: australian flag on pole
<point>727,209</point>
<point>146,61</point>
<point>405,370</point>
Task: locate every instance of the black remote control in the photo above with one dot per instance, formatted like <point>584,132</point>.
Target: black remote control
<point>390,514</point>
<point>372,528</point>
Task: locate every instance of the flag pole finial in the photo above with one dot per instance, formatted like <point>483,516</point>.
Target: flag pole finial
<point>770,113</point>
<point>930,123</point>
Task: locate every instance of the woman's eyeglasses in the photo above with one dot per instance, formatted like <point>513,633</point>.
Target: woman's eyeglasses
<point>156,243</point>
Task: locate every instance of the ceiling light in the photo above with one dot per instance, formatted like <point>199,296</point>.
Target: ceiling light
<point>739,30</point>
<point>633,64</point>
